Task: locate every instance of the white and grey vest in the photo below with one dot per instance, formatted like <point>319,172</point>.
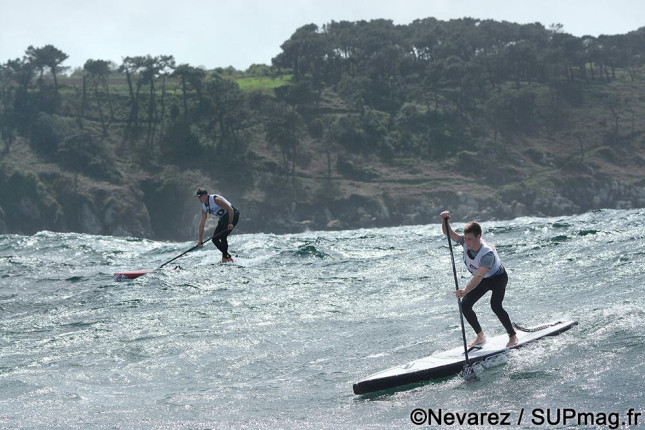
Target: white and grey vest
<point>213,208</point>
<point>472,264</point>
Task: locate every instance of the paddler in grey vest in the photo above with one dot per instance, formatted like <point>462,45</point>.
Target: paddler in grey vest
<point>227,216</point>
<point>483,262</point>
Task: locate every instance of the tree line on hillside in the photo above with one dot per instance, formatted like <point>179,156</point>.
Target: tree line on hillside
<point>427,89</point>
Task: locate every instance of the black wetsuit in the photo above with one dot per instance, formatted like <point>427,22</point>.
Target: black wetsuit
<point>497,285</point>
<point>221,242</point>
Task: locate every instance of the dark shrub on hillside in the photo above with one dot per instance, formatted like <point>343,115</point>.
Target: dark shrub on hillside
<point>47,132</point>
<point>84,154</point>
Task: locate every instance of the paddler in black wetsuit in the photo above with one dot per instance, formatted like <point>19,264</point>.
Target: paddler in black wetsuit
<point>482,261</point>
<point>228,216</point>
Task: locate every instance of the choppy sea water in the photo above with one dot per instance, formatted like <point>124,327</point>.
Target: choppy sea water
<point>277,339</point>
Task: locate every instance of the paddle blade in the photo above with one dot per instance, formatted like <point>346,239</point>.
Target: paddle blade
<point>468,373</point>
<point>129,275</point>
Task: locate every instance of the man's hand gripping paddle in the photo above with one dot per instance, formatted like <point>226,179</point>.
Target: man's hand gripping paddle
<point>467,372</point>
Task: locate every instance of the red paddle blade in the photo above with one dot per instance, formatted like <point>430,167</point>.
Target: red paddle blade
<point>131,274</point>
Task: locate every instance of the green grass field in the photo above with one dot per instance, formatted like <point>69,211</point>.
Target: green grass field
<point>262,83</point>
<point>118,84</point>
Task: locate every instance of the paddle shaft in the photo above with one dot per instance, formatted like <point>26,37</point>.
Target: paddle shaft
<point>454,273</point>
<point>221,233</point>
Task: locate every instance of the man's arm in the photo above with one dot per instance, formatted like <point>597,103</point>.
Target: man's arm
<point>225,205</point>
<point>200,231</point>
<point>454,236</point>
<point>474,281</point>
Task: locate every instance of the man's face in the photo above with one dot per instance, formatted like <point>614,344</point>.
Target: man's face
<point>472,241</point>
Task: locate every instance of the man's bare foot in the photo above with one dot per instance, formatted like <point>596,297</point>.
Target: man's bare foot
<point>480,340</point>
<point>227,260</point>
<point>512,340</point>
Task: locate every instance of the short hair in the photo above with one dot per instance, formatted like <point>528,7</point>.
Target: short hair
<point>200,192</point>
<point>473,228</point>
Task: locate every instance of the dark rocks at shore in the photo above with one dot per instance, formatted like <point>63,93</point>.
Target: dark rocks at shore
<point>375,213</point>
<point>129,212</point>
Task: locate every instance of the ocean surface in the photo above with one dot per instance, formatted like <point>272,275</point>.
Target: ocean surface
<point>277,339</point>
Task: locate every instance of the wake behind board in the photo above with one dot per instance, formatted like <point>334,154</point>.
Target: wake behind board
<point>449,363</point>
<point>129,275</point>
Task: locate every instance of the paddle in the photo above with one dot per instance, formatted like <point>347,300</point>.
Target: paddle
<point>468,372</point>
<point>121,276</point>
<point>194,247</point>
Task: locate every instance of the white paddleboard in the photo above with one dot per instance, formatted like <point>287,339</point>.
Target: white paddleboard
<point>448,363</point>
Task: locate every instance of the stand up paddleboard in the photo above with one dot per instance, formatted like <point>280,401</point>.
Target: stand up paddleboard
<point>133,274</point>
<point>129,275</point>
<point>449,363</point>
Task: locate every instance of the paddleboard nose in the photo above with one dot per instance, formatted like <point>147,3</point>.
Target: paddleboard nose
<point>129,275</point>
